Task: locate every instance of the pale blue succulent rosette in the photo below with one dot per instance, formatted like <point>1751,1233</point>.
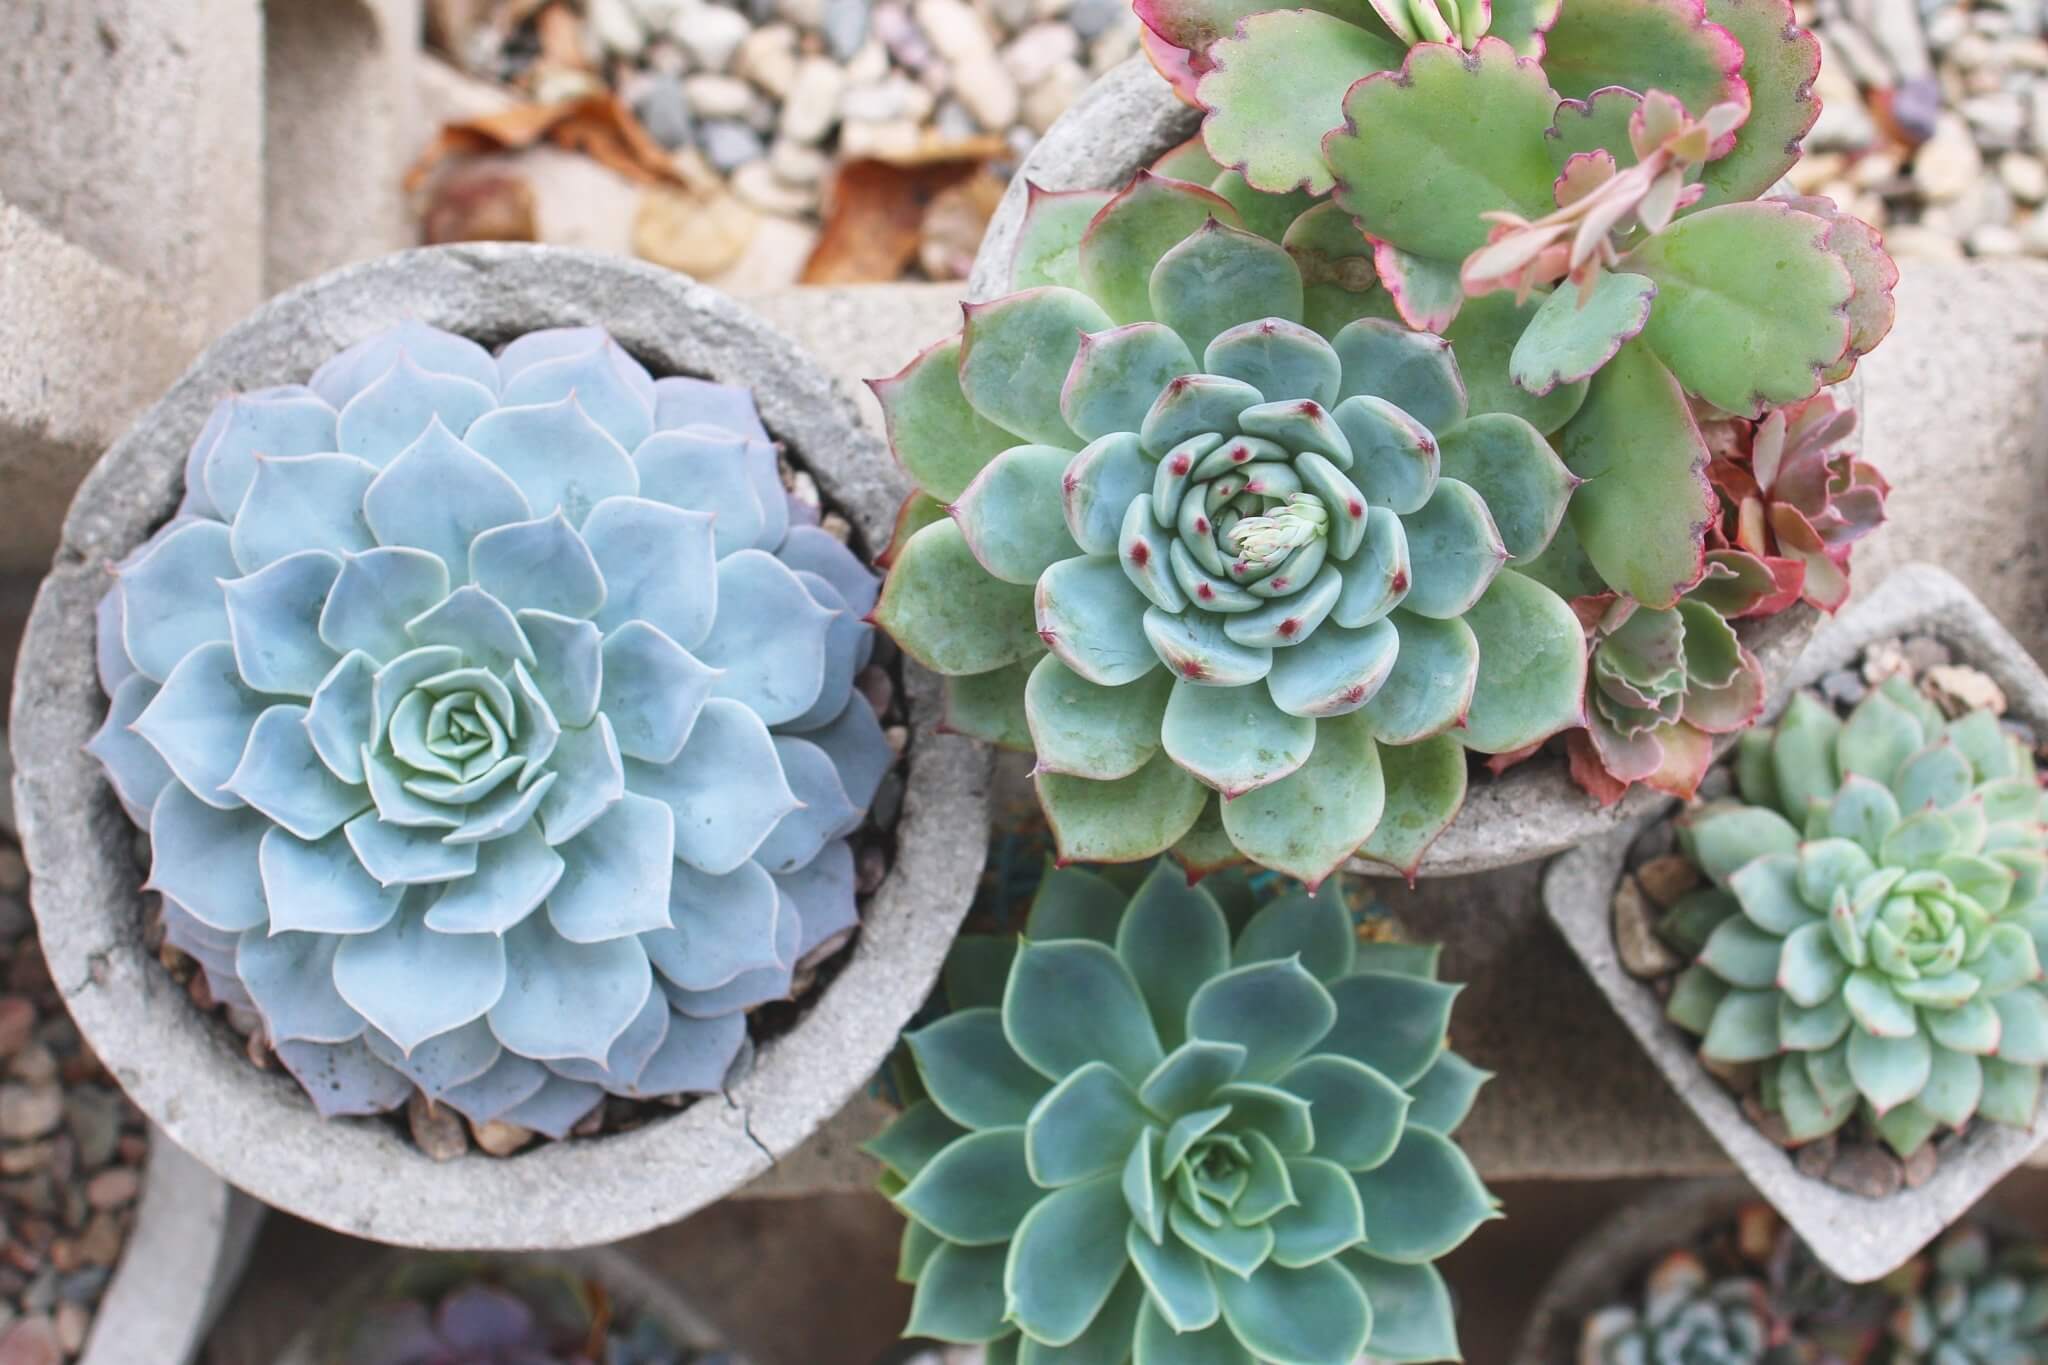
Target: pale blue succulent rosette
<point>494,725</point>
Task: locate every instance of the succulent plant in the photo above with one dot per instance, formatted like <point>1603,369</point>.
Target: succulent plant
<point>1872,935</point>
<point>1162,1130</point>
<point>1794,500</point>
<point>1971,1307</point>
<point>1687,1318</point>
<point>456,1311</point>
<point>493,723</point>
<point>1193,521</point>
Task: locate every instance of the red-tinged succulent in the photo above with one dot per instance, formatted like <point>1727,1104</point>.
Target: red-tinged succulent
<point>1795,498</point>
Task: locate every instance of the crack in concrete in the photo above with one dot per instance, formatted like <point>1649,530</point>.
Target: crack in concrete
<point>747,1126</point>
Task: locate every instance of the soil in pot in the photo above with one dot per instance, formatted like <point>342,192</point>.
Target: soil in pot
<point>1654,945</point>
<point>200,960</point>
<point>72,1152</point>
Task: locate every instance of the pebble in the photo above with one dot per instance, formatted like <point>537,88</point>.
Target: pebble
<point>616,26</point>
<point>1919,1167</point>
<point>436,1130</point>
<point>716,97</point>
<point>813,104</point>
<point>1092,18</point>
<point>1643,955</point>
<point>729,143</point>
<point>1665,879</point>
<point>113,1189</point>
<point>984,87</point>
<point>17,1020</point>
<point>697,233</point>
<point>796,164</point>
<point>1959,688</point>
<point>72,1325</point>
<point>1814,1158</point>
<point>1948,164</point>
<point>664,110</point>
<point>499,1138</point>
<point>768,58</point>
<point>845,26</point>
<point>1053,96</point>
<point>32,1341</point>
<point>711,34</point>
<point>29,1111</point>
<point>1032,55</point>
<point>955,31</point>
<point>1868,1171</point>
<point>1995,239</point>
<point>2026,176</point>
<point>757,184</point>
<point>101,1242</point>
<point>13,871</point>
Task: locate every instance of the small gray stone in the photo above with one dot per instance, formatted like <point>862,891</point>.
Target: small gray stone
<point>1814,1158</point>
<point>1092,18</point>
<point>93,1117</point>
<point>845,26</point>
<point>1916,106</point>
<point>29,1111</point>
<point>1843,687</point>
<point>728,143</point>
<point>1867,1171</point>
<point>1919,1167</point>
<point>665,112</point>
<point>437,1130</point>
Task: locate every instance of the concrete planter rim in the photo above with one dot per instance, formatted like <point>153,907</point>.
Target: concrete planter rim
<point>1859,1239</point>
<point>1602,1264</point>
<point>624,1279</point>
<point>185,1070</point>
<point>193,1234</point>
<point>1124,121</point>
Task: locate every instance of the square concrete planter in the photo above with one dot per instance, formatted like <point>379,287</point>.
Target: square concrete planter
<point>1859,1239</point>
<point>1124,122</point>
<point>185,1070</point>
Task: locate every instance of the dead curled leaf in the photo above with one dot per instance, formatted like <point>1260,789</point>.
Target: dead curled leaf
<point>599,126</point>
<point>876,215</point>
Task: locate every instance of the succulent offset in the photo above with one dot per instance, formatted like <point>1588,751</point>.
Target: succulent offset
<point>1195,519</point>
<point>1966,1305</point>
<point>453,1311</point>
<point>1182,1126</point>
<point>1686,1318</point>
<point>1873,932</point>
<point>493,722</point>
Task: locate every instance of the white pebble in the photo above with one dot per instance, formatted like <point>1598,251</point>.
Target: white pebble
<point>959,34</point>
<point>711,34</point>
<point>713,96</point>
<point>985,88</point>
<point>813,104</point>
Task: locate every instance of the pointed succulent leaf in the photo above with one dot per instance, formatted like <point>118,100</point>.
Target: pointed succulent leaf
<point>200,722</point>
<point>1485,334</point>
<point>1282,360</point>
<point>1427,293</point>
<point>1276,86</point>
<point>1122,821</point>
<point>1016,352</point>
<point>1425,788</point>
<point>306,502</point>
<point>1083,1127</point>
<point>1234,738</point>
<point>1088,613</point>
<point>1524,485</point>
<point>1072,1002</point>
<point>1432,683</point>
<point>291,979</point>
<point>959,1294</point>
<point>274,623</point>
<point>1425,151</point>
<point>949,613</point>
<point>1066,1259</point>
<point>1646,500</point>
<point>1359,1113</point>
<point>1116,374</point>
<point>719,820</point>
<point>205,859</point>
<point>1422,1201</point>
<point>972,1073</point>
<point>976,1190</point>
<point>653,690</point>
<point>1412,1315</point>
<point>1173,938</point>
<point>658,567</point>
<point>936,433</point>
<point>1570,338</point>
<point>1099,486</point>
<point>1219,277</point>
<point>1889,1070</point>
<point>703,472</point>
<point>412,983</point>
<point>1392,1022</point>
<point>1179,1284</point>
<point>1088,730</point>
<point>280,423</point>
<point>990,706</point>
<point>1786,301</point>
<point>1048,249</point>
<point>1532,666</point>
<point>1127,238</point>
<point>1307,823</point>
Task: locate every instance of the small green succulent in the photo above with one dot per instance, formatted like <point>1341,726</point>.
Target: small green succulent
<point>1971,1307</point>
<point>1873,933</point>
<point>1686,1318</point>
<point>1194,522</point>
<point>1179,1126</point>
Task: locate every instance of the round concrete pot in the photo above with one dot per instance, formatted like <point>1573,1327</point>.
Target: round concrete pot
<point>1859,1239</point>
<point>1608,1262</point>
<point>192,1236</point>
<point>633,1292</point>
<point>183,1068</point>
<point>1124,122</point>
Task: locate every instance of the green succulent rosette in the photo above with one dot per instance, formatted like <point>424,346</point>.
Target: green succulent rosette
<point>1686,1317</point>
<point>1230,551</point>
<point>1873,932</point>
<point>1966,1305</point>
<point>1179,1126</point>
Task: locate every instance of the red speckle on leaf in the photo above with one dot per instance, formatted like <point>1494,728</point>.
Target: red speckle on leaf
<point>1241,454</point>
<point>1051,637</point>
<point>1355,508</point>
<point>1279,585</point>
<point>1289,626</point>
<point>1192,668</point>
<point>1201,526</point>
<point>1268,327</point>
<point>1355,693</point>
<point>1181,464</point>
<point>1069,482</point>
<point>1179,385</point>
<point>1310,408</point>
<point>1255,486</point>
<point>1205,592</point>
<point>1400,583</point>
<point>1428,445</point>
<point>1141,553</point>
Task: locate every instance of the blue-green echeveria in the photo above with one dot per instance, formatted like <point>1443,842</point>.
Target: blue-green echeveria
<point>1964,1304</point>
<point>1874,930</point>
<point>492,719</point>
<point>1686,1318</point>
<point>1233,555</point>
<point>1179,1126</point>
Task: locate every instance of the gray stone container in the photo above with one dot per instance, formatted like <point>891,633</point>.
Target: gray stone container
<point>1608,1263</point>
<point>1121,124</point>
<point>192,1236</point>
<point>1859,1239</point>
<point>185,1070</point>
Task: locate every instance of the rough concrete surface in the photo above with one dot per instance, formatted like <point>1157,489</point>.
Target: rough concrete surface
<point>193,1234</point>
<point>1858,1238</point>
<point>185,1071</point>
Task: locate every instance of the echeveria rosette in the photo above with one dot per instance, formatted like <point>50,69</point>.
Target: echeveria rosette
<point>1687,1318</point>
<point>1795,499</point>
<point>1965,1304</point>
<point>493,723</point>
<point>1874,929</point>
<point>1160,1130</point>
<point>1197,545</point>
<point>1673,307</point>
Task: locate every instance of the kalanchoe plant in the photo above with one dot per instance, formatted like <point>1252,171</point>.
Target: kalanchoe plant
<point>1161,1130</point>
<point>1688,1317</point>
<point>1965,1305</point>
<point>493,723</point>
<point>1192,521</point>
<point>454,1311</point>
<point>1794,500</point>
<point>1872,935</point>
